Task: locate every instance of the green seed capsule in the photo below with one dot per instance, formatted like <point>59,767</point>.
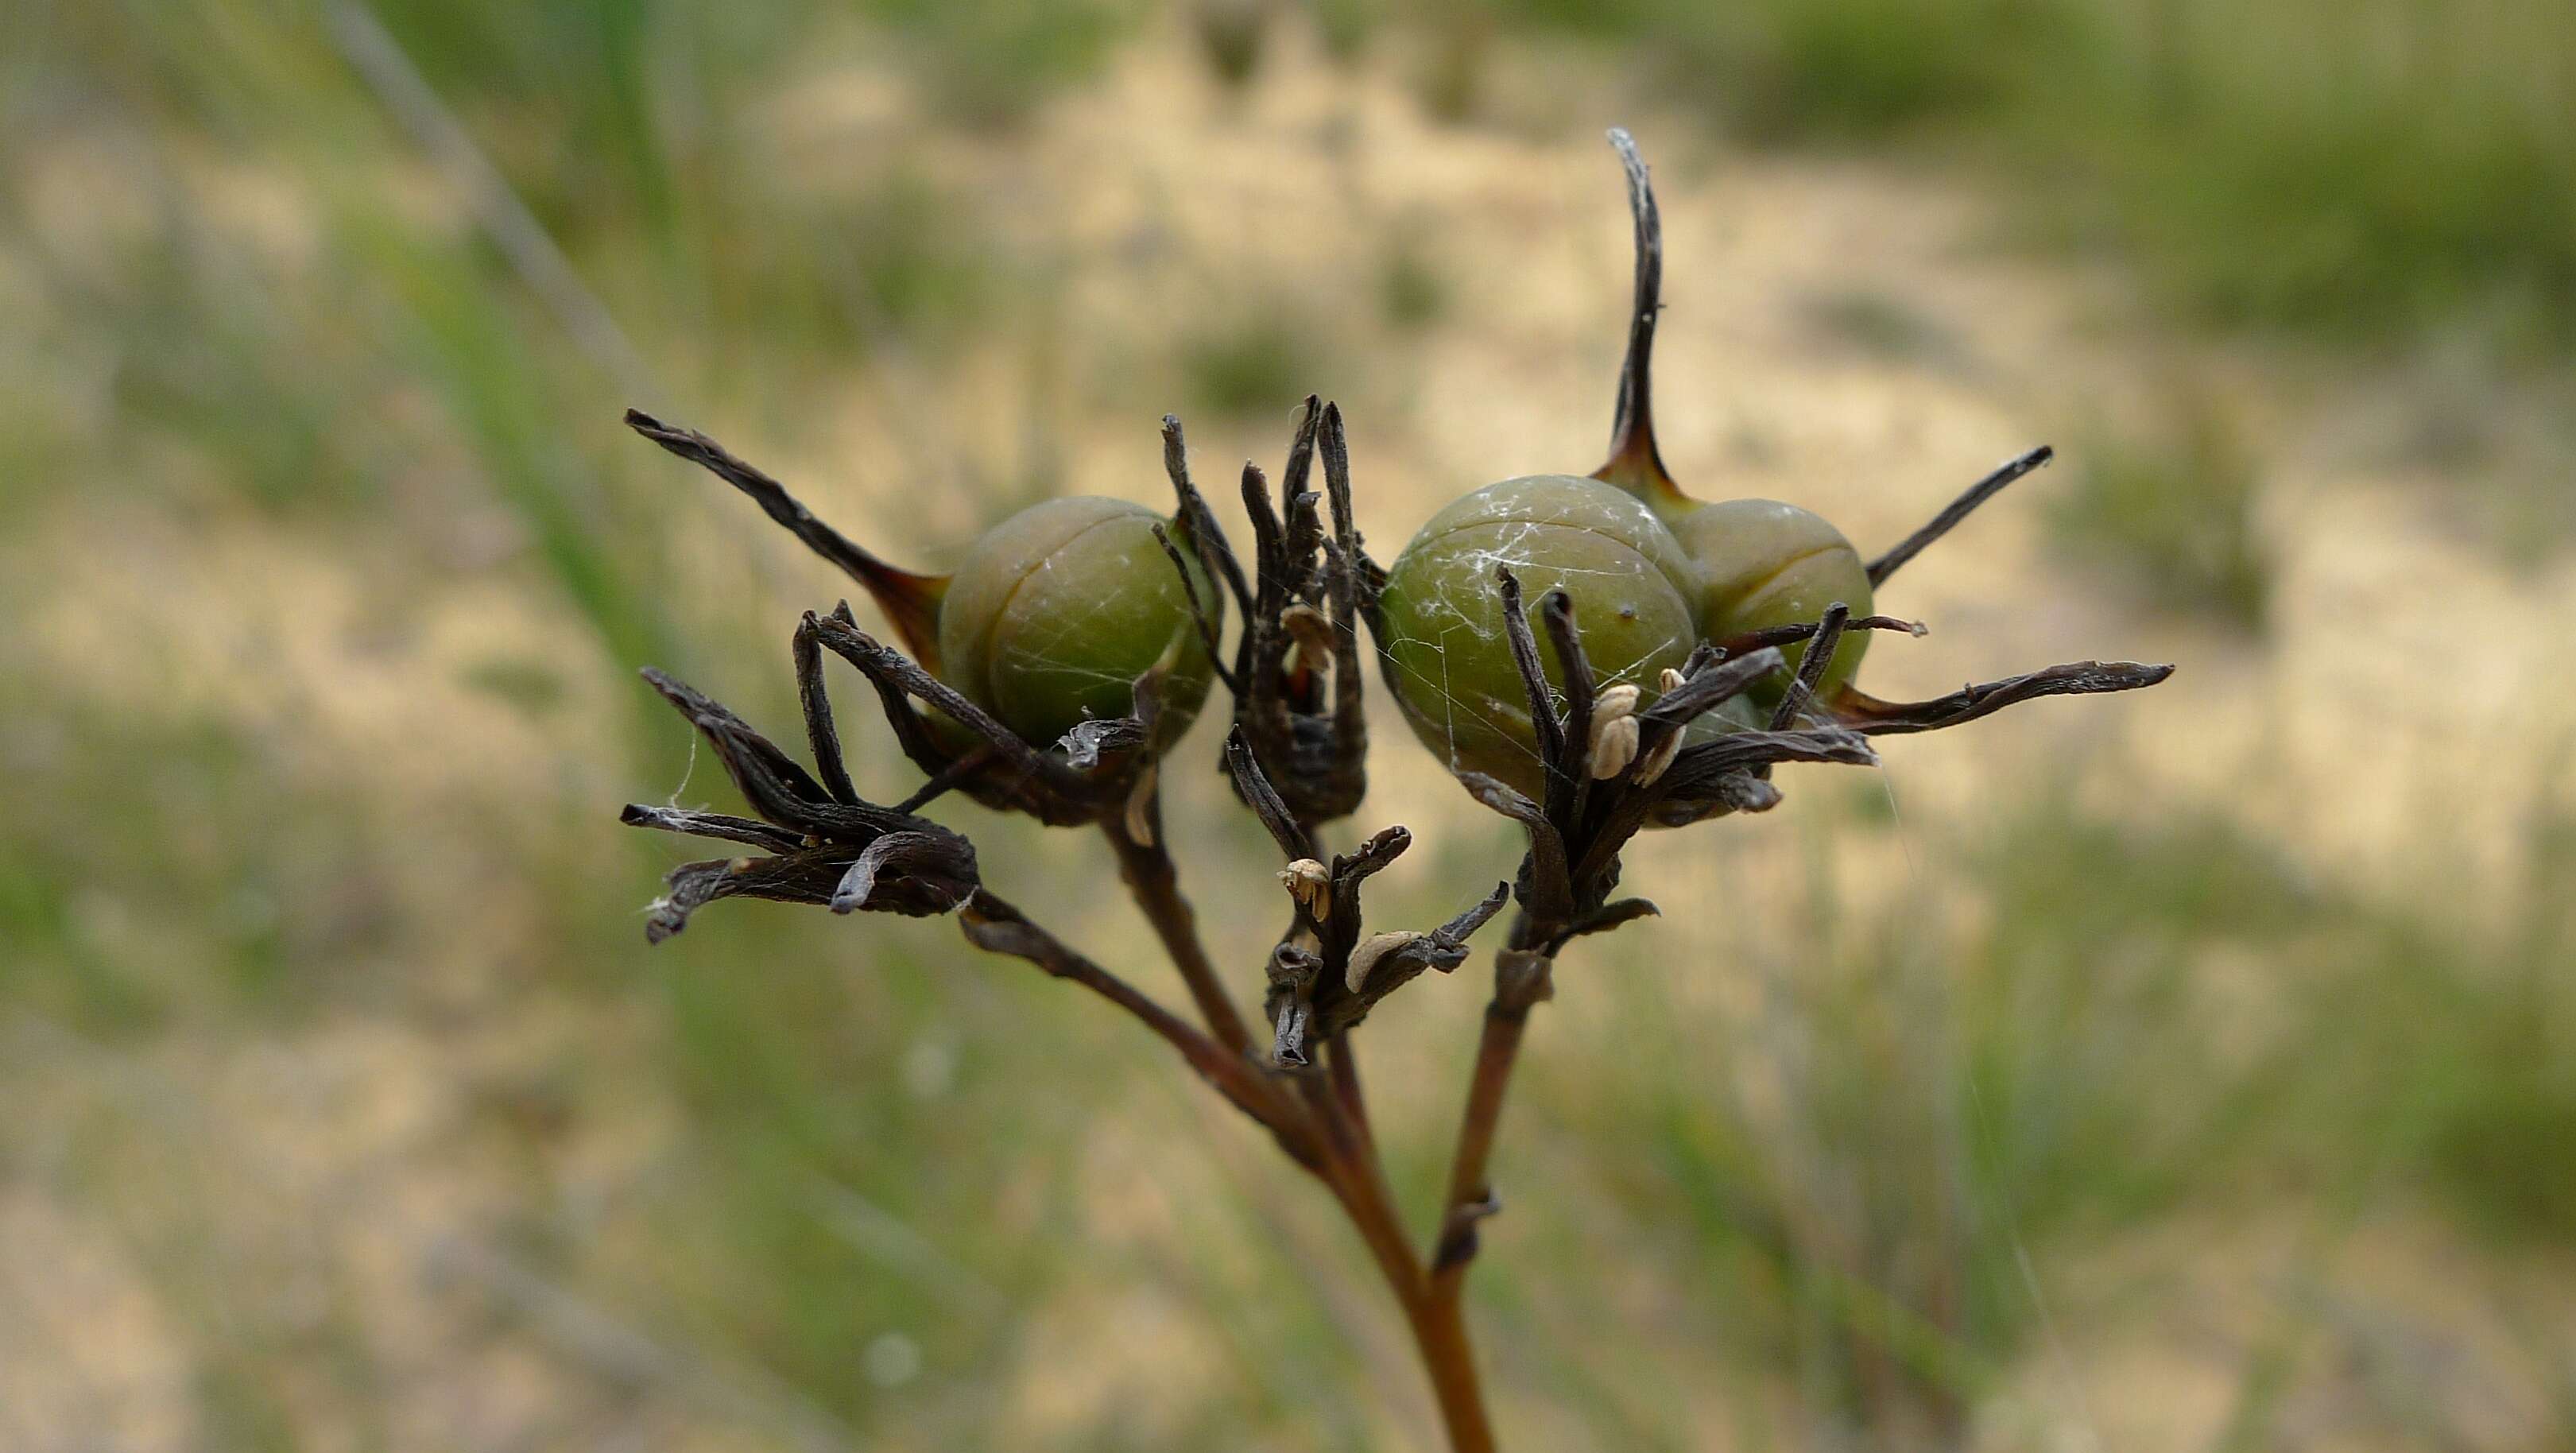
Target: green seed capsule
<point>1057,610</point>
<point>1440,630</point>
<point>1651,572</point>
<point>1765,564</point>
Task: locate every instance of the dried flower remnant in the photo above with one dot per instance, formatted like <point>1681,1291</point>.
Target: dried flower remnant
<point>824,844</point>
<point>1325,975</point>
<point>1296,673</point>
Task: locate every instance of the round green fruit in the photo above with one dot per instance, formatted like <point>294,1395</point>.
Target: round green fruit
<point>1762,564</point>
<point>1057,610</point>
<point>1440,631</point>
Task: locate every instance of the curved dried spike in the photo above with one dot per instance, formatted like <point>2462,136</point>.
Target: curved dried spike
<point>1516,628</point>
<point>1635,464</point>
<point>901,675</point>
<point>719,825</point>
<point>1208,636</point>
<point>910,731</point>
<point>1865,713</point>
<point>1612,914</point>
<point>770,780</point>
<point>1957,510</point>
<point>1253,785</point>
<point>1342,583</point>
<point>1710,683</point>
<point>1812,667</point>
<point>820,734</point>
<point>1194,508</point>
<point>1569,781</point>
<point>1798,631</point>
<point>910,600</point>
<point>1551,875</point>
<point>1269,537</point>
<point>1735,751</point>
<point>1477,914</point>
<point>1294,498</point>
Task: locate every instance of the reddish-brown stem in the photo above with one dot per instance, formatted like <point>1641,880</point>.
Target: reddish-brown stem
<point>1357,1179</point>
<point>1341,1061</point>
<point>1345,1154</point>
<point>1440,1332</point>
<point>1470,1199</point>
<point>994,925</point>
<point>1156,885</point>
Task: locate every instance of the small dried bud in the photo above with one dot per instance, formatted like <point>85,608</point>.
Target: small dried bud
<point>1614,746</point>
<point>1371,949</point>
<point>1309,628</point>
<point>1671,681</point>
<point>1652,765</point>
<point>1614,703</point>
<point>1311,884</point>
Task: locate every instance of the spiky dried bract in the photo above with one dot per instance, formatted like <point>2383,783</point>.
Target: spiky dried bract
<point>825,845</point>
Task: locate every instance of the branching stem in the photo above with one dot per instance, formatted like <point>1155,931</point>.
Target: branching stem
<point>993,924</point>
<point>1155,882</point>
<point>1332,1125</point>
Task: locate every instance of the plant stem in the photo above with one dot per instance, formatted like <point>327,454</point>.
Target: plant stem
<point>1156,886</point>
<point>1347,1158</point>
<point>1470,1199</point>
<point>1440,1332</point>
<point>1358,1181</point>
<point>994,925</point>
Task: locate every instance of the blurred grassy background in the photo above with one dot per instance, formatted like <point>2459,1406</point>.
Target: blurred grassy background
<point>2196,1071</point>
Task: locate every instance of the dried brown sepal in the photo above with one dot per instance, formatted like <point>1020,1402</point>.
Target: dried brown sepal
<point>1093,773</point>
<point>1957,510</point>
<point>1869,715</point>
<point>1798,631</point>
<point>1320,980</point>
<point>909,599</point>
<point>850,855</point>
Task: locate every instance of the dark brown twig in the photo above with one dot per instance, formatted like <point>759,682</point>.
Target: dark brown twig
<point>1867,714</point>
<point>909,600</point>
<point>1634,459</point>
<point>1811,667</point>
<point>995,926</point>
<point>1797,631</point>
<point>1155,882</point>
<point>1958,509</point>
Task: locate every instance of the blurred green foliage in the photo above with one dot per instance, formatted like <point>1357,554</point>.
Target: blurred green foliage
<point>2173,510</point>
<point>1260,359</point>
<point>2358,170</point>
